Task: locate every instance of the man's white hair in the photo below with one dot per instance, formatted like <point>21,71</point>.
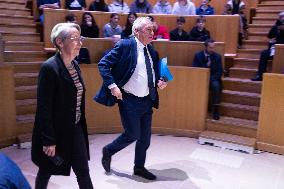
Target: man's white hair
<point>139,23</point>
<point>61,30</point>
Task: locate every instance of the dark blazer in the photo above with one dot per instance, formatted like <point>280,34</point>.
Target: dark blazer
<point>56,115</point>
<point>216,67</point>
<point>196,35</point>
<point>118,66</point>
<point>174,36</point>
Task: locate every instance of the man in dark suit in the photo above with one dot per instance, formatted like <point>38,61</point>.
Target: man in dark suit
<point>179,34</point>
<point>131,77</point>
<point>212,60</point>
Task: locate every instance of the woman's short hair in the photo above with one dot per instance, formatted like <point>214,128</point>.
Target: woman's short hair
<point>62,30</point>
<point>140,22</point>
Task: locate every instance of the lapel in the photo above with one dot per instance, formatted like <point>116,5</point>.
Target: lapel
<point>64,72</point>
<point>133,52</point>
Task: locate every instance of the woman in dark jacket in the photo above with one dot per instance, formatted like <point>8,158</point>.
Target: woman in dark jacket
<point>141,6</point>
<point>89,26</point>
<point>98,5</point>
<point>127,31</point>
<point>60,138</point>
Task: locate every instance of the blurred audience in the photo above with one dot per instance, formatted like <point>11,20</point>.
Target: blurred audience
<point>98,5</point>
<point>127,31</point>
<point>118,6</point>
<point>141,6</point>
<point>71,18</point>
<point>112,28</point>
<point>162,7</point>
<point>205,8</point>
<point>184,7</point>
<point>42,4</point>
<point>75,4</point>
<point>89,27</point>
<point>179,34</point>
<point>208,58</point>
<point>160,31</point>
<point>199,32</point>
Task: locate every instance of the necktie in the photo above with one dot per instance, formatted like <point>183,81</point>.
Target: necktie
<point>152,91</point>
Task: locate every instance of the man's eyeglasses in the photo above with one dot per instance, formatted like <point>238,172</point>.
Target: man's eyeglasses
<point>78,39</point>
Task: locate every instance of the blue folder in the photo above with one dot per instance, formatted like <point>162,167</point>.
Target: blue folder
<point>164,69</point>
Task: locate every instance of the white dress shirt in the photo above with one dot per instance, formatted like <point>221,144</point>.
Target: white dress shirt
<point>138,82</point>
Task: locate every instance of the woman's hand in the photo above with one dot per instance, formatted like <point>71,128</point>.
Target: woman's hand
<point>49,150</point>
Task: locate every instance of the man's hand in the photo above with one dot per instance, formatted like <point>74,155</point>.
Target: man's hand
<point>49,150</point>
<point>115,91</point>
<point>162,84</point>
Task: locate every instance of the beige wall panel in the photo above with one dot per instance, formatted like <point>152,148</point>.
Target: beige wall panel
<point>278,60</point>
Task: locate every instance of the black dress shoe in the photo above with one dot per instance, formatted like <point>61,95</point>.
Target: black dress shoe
<point>106,159</point>
<point>257,78</point>
<point>144,173</point>
<point>216,116</point>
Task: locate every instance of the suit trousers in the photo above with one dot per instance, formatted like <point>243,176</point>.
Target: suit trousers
<point>264,57</point>
<point>216,88</point>
<point>136,117</point>
<point>79,163</point>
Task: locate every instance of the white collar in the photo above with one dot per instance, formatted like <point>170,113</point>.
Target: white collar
<point>140,45</point>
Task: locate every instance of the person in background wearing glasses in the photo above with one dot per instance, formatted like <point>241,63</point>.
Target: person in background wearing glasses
<point>131,78</point>
<point>60,138</point>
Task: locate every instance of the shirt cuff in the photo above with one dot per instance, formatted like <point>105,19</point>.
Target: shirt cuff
<point>112,86</point>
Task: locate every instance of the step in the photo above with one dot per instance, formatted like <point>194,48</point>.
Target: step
<point>25,79</point>
<point>255,44</point>
<point>12,4</point>
<point>26,106</point>
<point>259,27</point>
<point>239,111</point>
<point>258,36</point>
<point>272,2</point>
<point>23,46</point>
<point>15,11</point>
<point>249,53</point>
<point>26,67</point>
<point>235,126</point>
<point>26,92</point>
<point>246,63</point>
<point>25,124</point>
<point>24,56</point>
<point>238,97</point>
<point>17,36</point>
<point>243,73</point>
<point>17,27</point>
<point>228,141</point>
<point>8,19</point>
<point>270,7</point>
<point>243,85</point>
<point>267,13</point>
<point>264,20</point>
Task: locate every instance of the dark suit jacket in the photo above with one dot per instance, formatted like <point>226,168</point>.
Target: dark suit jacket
<point>196,35</point>
<point>56,115</point>
<point>174,36</point>
<point>216,67</point>
<point>118,66</point>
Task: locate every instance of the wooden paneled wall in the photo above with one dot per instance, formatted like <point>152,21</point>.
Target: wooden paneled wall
<point>7,106</point>
<point>222,28</point>
<point>271,120</point>
<point>183,104</point>
<point>278,60</point>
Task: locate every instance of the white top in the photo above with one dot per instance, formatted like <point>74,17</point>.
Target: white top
<point>188,9</point>
<point>117,7</point>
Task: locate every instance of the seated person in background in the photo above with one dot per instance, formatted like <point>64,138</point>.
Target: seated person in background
<point>179,34</point>
<point>276,36</point>
<point>11,176</point>
<point>127,31</point>
<point>141,6</point>
<point>160,32</point>
<point>238,7</point>
<point>162,7</point>
<point>71,18</point>
<point>205,8</point>
<point>42,4</point>
<point>115,39</point>
<point>89,27</point>
<point>75,4</point>
<point>184,7</point>
<point>199,32</point>
<point>98,5</point>
<point>112,28</point>
<point>208,58</point>
<point>118,6</point>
